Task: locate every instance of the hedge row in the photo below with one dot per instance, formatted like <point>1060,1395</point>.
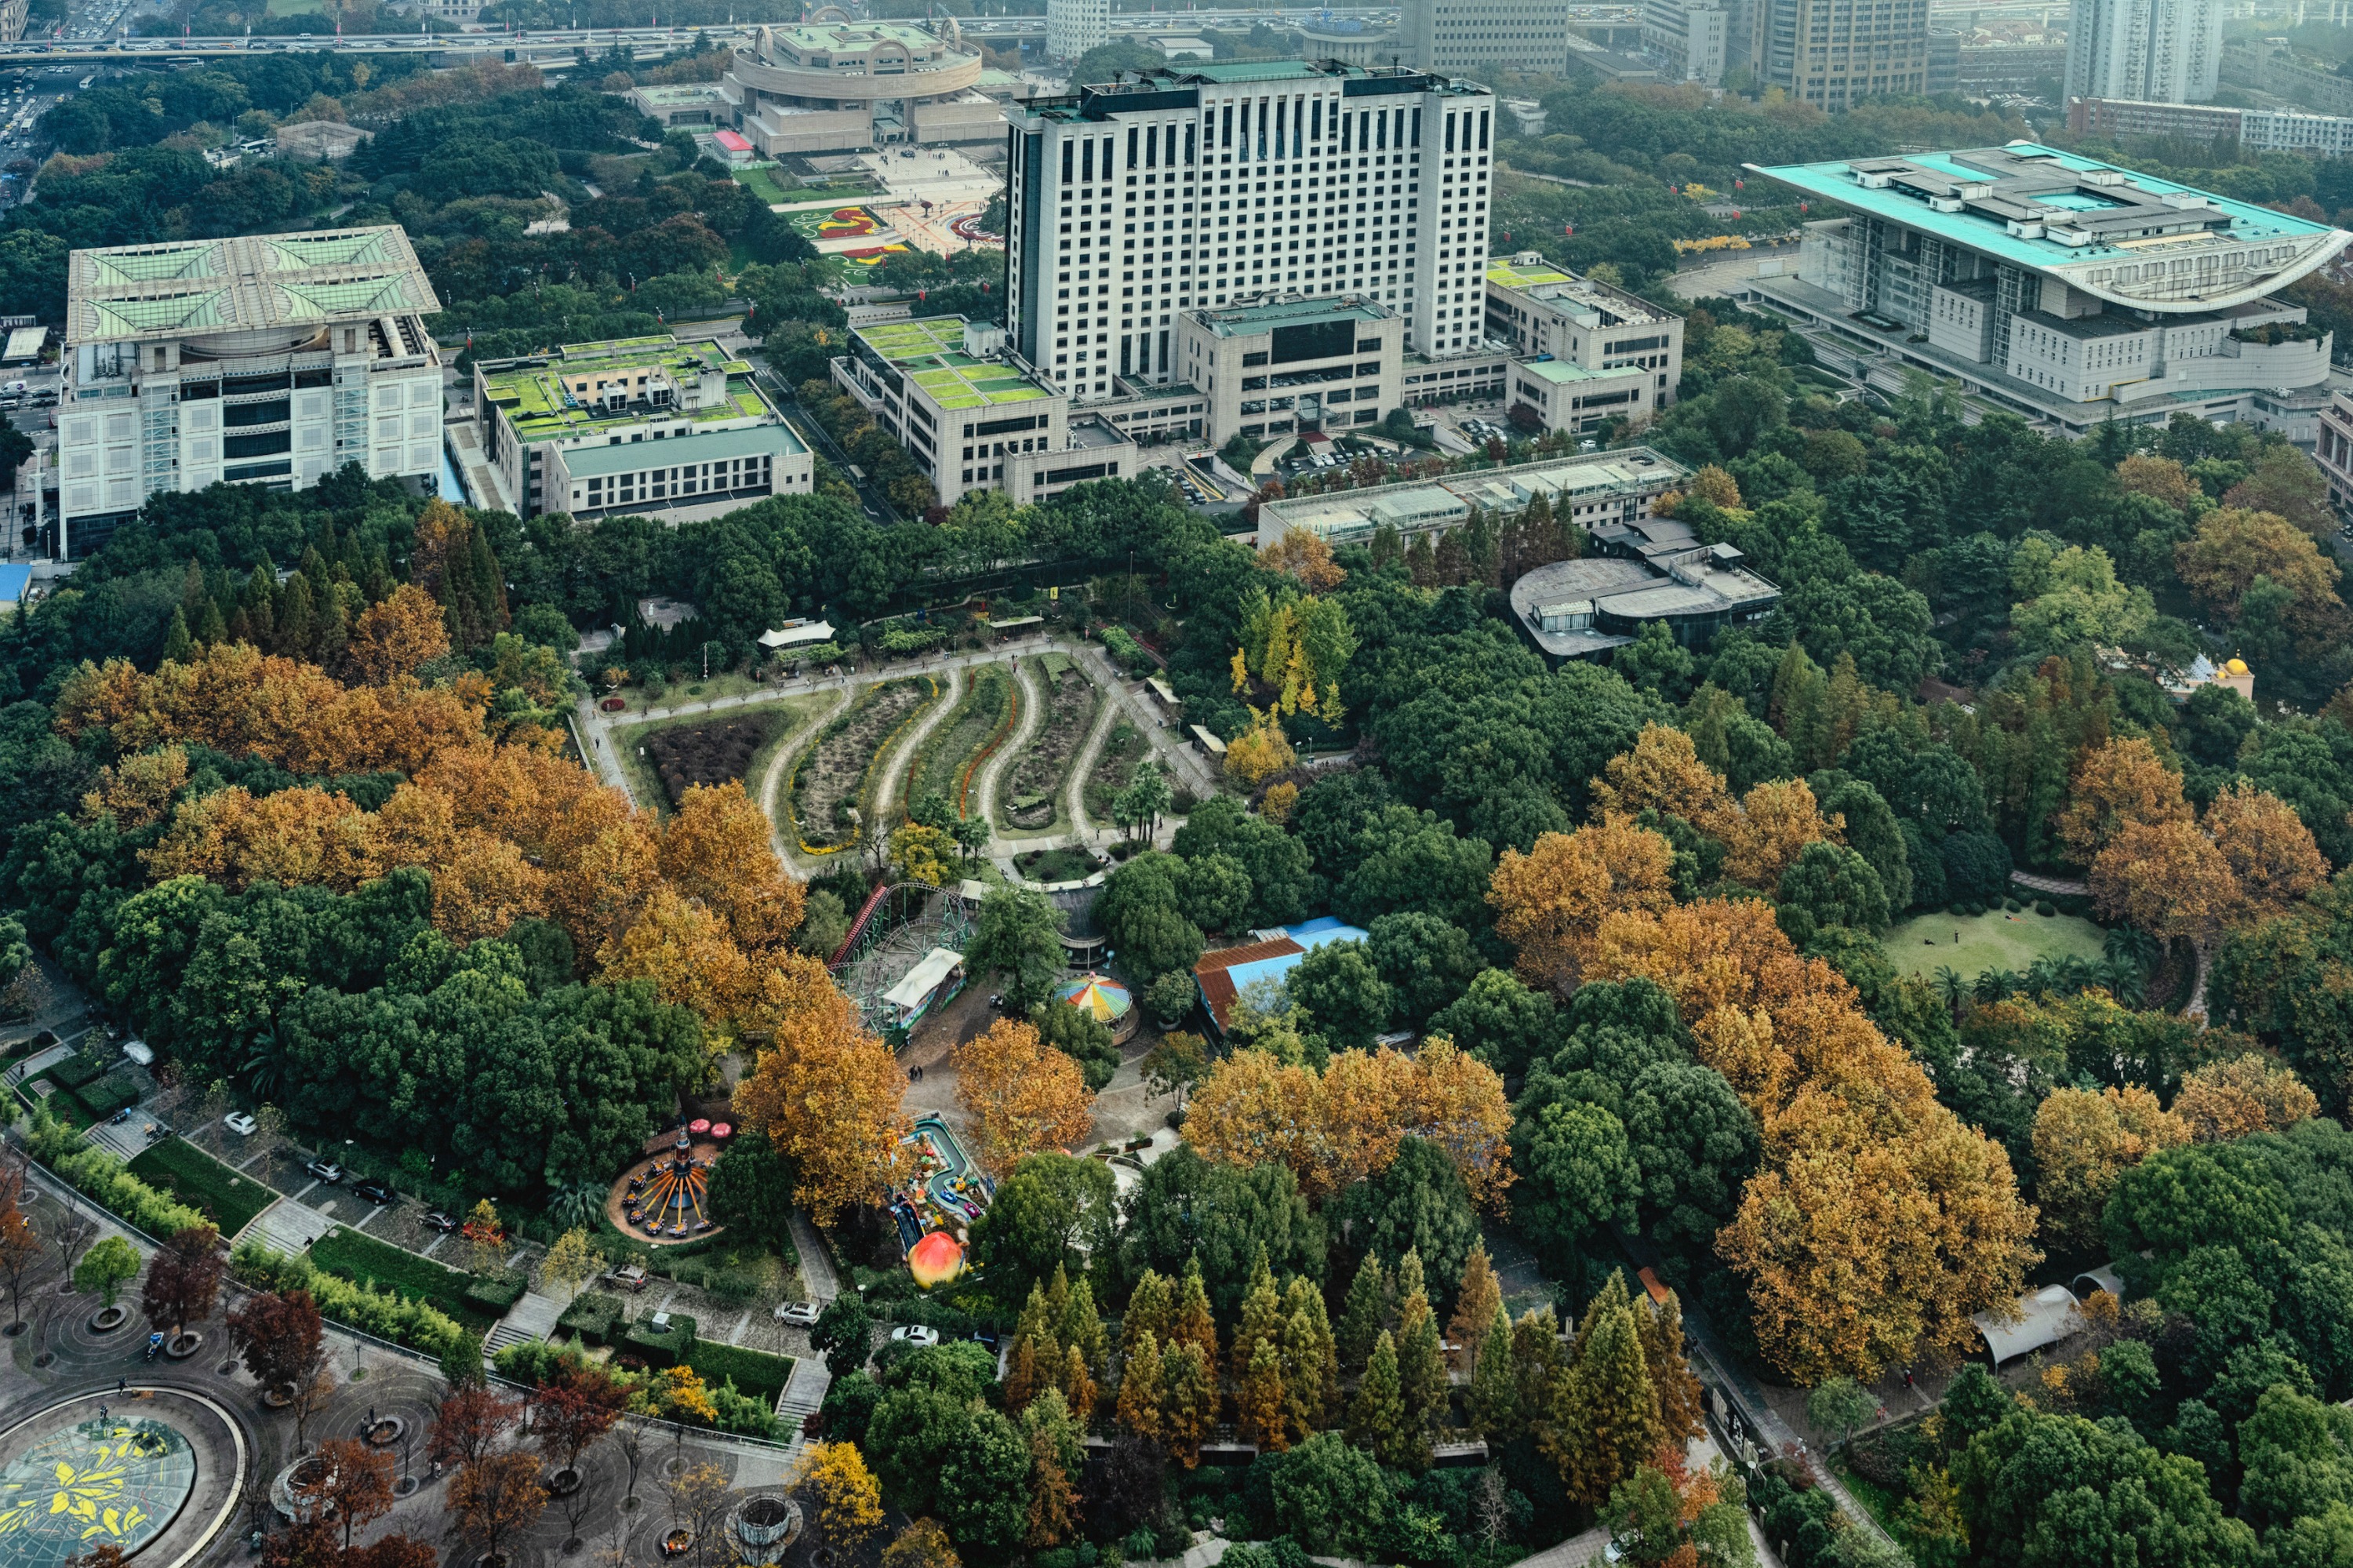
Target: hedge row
<point>417,1324</point>
<point>101,1177</point>
<point>761,1374</point>
<point>381,1266</point>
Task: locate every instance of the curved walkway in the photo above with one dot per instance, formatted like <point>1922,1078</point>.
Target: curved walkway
<point>992,772</point>
<point>780,769</point>
<point>1183,764</point>
<point>1084,764</point>
<point>2060,885</point>
<point>894,763</point>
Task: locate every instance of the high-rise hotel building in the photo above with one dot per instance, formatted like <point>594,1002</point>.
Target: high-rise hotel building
<point>1226,185</point>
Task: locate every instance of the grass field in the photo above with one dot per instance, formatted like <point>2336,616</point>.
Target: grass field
<point>201,1181</point>
<point>1993,940</point>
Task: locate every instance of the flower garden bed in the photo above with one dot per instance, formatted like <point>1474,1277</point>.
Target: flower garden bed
<point>950,755</point>
<point>1031,794</point>
<point>838,774</point>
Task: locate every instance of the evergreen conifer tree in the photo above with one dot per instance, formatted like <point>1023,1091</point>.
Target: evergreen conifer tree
<point>1495,1389</point>
<point>177,645</point>
<point>1262,1410</point>
<point>1605,1412</point>
<point>1188,1400</point>
<point>1377,1415</point>
<point>1361,1320</point>
<point>1147,1311</point>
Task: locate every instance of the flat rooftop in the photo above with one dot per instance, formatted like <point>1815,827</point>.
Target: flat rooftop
<point>856,36</point>
<point>1242,321</point>
<point>2114,232</point>
<point>1511,275</point>
<point>680,93</point>
<point>1561,373</point>
<point>197,288</point>
<point>1568,481</point>
<point>531,395</point>
<point>930,351</point>
<point>1094,100</point>
<point>1630,590</point>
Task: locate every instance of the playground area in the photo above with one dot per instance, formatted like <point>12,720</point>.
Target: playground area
<point>665,1194</point>
<point>944,1191</point>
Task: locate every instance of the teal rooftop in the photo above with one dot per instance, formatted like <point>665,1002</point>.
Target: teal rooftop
<point>2132,239</point>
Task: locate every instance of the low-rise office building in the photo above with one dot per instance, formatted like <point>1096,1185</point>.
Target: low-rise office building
<point>1651,570</point>
<point>1600,492</point>
<point>271,359</point>
<point>1574,400</point>
<point>1542,310</point>
<point>1301,364</point>
<point>973,416</point>
<point>647,426</point>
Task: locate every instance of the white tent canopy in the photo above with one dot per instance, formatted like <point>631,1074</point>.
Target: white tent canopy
<point>796,633</point>
<point>915,987</point>
<point>2043,1317</point>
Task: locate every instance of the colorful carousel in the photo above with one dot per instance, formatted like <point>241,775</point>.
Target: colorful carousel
<point>668,1200</point>
<point>1104,1000</point>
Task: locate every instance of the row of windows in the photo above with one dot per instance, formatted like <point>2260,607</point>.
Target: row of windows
<point>685,480</point>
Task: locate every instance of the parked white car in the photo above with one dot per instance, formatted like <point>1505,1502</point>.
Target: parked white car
<point>800,1314</point>
<point>916,1334</point>
<point>240,1124</point>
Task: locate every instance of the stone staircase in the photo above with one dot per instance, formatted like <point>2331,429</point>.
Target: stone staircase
<point>531,1318</point>
<point>804,1394</point>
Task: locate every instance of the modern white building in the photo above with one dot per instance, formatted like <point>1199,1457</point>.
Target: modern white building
<point>1688,37</point>
<point>1308,363</point>
<point>973,414</point>
<point>273,359</point>
<point>1240,183</point>
<point>2070,289</point>
<point>1074,26</point>
<point>1475,35</point>
<point>2157,51</point>
<point>1546,312</point>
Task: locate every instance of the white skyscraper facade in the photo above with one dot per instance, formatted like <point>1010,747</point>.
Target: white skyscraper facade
<point>1230,185</point>
<point>1074,26</point>
<point>2154,51</point>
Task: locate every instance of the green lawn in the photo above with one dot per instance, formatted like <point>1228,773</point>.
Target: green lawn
<point>201,1181</point>
<point>1993,940</point>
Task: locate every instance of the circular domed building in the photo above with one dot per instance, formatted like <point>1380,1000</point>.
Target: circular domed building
<point>830,87</point>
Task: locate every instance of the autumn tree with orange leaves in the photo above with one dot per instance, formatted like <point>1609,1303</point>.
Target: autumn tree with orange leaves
<point>1023,1096</point>
<point>1338,1127</point>
<point>1879,1222</point>
<point>824,1090</point>
<point>1549,903</point>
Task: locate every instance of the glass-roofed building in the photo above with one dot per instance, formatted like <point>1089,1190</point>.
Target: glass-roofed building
<point>268,359</point>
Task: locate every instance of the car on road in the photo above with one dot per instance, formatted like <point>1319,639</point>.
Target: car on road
<point>326,1171</point>
<point>916,1334</point>
<point>437,1221</point>
<point>240,1124</point>
<point>800,1314</point>
<point>375,1193</point>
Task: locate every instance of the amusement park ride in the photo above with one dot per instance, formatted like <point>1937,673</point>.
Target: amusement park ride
<point>673,1196</point>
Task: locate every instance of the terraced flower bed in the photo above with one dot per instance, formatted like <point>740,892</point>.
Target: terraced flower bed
<point>946,764</point>
<point>1032,790</point>
<point>836,776</point>
<point>1123,750</point>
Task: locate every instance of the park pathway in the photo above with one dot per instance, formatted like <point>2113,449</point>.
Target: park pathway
<point>896,761</point>
<point>992,772</point>
<point>780,768</point>
<point>1090,750</point>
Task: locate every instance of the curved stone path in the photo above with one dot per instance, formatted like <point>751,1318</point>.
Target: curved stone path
<point>992,772</point>
<point>894,765</point>
<point>780,769</point>
<point>1107,716</point>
